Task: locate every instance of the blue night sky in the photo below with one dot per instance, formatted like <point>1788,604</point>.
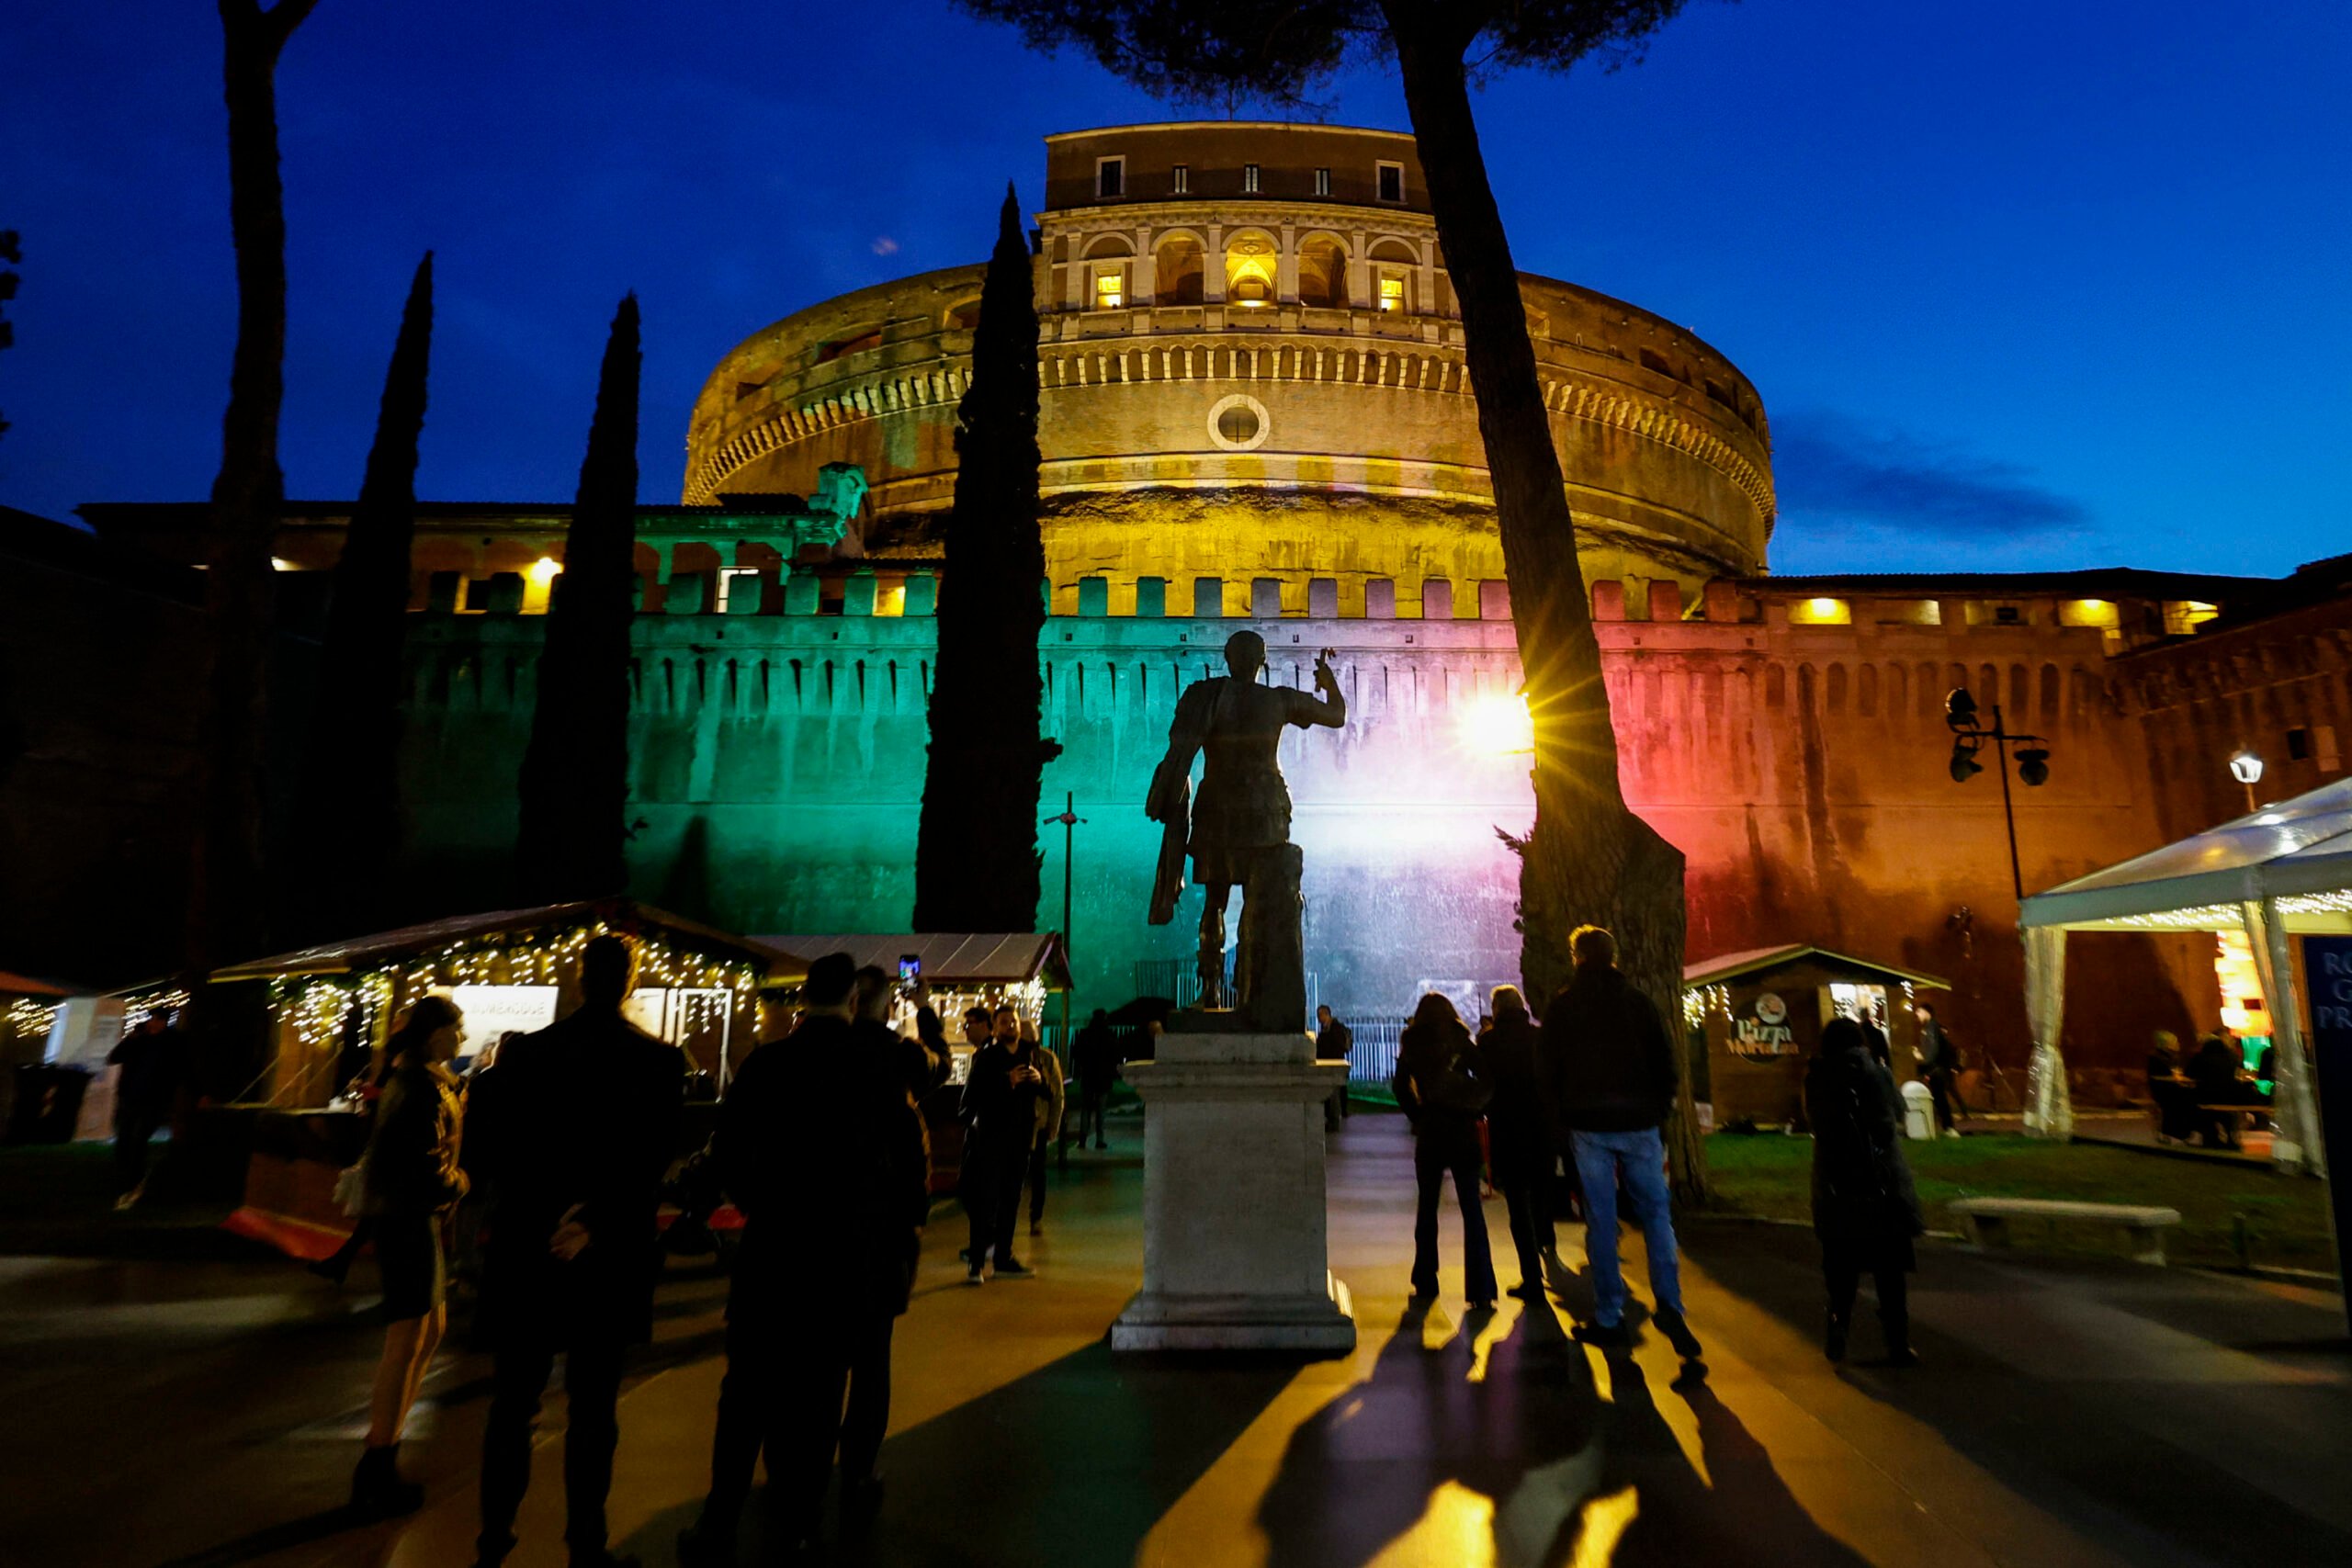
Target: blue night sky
<point>2023,283</point>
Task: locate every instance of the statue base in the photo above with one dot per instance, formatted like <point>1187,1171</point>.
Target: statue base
<point>1236,1240</point>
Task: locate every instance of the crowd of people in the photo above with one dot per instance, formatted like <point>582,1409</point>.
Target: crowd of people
<point>1595,1082</point>
<point>2203,1096</point>
<point>558,1147</point>
<point>1572,1110</point>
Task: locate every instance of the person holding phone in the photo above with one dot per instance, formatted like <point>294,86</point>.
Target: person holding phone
<point>999,1117</point>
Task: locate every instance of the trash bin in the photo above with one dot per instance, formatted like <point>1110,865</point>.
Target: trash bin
<point>1918,1111</point>
<point>48,1104</point>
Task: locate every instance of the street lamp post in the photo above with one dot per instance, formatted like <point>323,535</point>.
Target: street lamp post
<point>1070,820</point>
<point>1970,735</point>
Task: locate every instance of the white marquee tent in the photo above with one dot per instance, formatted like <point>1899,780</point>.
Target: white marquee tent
<point>2285,870</point>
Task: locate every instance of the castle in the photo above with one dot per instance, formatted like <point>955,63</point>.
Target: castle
<point>1255,413</point>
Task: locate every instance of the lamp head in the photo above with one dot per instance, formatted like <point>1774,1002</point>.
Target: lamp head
<point>1964,765</point>
<point>2246,767</point>
<point>1959,709</point>
<point>2033,767</point>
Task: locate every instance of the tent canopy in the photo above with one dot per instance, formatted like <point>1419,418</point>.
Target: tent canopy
<point>951,959</point>
<point>1730,966</point>
<point>2298,853</point>
<point>380,948</point>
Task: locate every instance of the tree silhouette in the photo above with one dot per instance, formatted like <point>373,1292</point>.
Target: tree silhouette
<point>350,791</point>
<point>227,882</point>
<point>1586,857</point>
<point>975,851</point>
<point>574,784</point>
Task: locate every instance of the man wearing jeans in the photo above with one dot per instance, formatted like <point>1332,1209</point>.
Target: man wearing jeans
<point>1609,1065</point>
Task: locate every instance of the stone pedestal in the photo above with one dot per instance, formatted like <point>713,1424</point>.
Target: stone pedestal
<point>1236,1252</point>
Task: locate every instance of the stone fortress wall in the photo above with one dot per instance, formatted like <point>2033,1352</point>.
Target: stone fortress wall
<point>1792,747</point>
<point>1254,383</point>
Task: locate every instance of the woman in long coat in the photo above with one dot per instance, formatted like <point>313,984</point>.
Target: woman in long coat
<point>1442,1085</point>
<point>1864,1209</point>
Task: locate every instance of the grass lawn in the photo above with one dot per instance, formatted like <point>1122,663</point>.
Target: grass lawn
<point>2286,1216</point>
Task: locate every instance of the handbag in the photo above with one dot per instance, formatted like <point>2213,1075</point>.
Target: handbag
<point>351,1189</point>
<point>1458,1091</point>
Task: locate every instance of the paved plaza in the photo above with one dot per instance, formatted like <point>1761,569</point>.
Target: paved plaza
<point>2069,1413</point>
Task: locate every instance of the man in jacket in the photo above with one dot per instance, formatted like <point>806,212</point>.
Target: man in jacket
<point>1609,1065</point>
<point>1052,1104</point>
<point>824,1153</point>
<point>1334,1041</point>
<point>1519,1133</point>
<point>999,1117</point>
<point>1094,1061</point>
<point>151,1058</point>
<point>570,1137</point>
<point>1938,1061</point>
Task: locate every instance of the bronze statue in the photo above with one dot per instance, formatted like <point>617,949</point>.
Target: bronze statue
<point>1239,832</point>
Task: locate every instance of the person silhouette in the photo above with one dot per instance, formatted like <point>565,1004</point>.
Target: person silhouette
<point>571,1135</point>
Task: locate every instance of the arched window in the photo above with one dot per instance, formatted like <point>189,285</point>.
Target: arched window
<point>1179,271</point>
<point>1393,266</point>
<point>1110,273</point>
<point>1322,271</point>
<point>1250,260</point>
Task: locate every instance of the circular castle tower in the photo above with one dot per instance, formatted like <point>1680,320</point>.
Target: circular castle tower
<point>1252,373</point>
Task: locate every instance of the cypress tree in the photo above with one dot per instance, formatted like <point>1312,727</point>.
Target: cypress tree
<point>227,889</point>
<point>975,853</point>
<point>350,794</point>
<point>575,786</point>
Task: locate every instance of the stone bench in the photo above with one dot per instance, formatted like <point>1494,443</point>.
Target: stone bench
<point>1986,1220</point>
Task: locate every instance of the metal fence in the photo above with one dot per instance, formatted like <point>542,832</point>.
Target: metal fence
<point>1372,1057</point>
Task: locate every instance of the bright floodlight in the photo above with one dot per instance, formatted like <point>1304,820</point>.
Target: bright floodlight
<point>2246,767</point>
<point>1497,724</point>
<point>544,568</point>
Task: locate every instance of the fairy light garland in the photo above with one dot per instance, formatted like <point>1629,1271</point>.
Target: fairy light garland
<point>29,1018</point>
<point>313,1012</point>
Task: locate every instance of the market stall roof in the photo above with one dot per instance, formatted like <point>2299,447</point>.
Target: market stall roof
<point>1730,966</point>
<point>2299,852</point>
<point>950,958</point>
<point>26,986</point>
<point>622,914</point>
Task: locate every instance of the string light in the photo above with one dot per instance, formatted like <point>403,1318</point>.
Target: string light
<point>314,1012</point>
<point>29,1018</point>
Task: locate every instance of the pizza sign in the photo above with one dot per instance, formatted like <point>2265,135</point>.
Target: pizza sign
<point>1762,1030</point>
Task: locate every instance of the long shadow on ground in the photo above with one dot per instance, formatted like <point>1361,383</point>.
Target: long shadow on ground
<point>2093,1448</point>
<point>1554,1462</point>
<point>1072,1464</point>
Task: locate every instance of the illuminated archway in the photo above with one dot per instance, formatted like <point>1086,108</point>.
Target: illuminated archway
<point>1251,264</point>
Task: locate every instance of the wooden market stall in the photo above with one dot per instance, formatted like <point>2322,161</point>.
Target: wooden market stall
<point>512,971</point>
<point>1758,1015</point>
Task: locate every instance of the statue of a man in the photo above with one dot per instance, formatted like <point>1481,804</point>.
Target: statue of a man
<point>1237,832</point>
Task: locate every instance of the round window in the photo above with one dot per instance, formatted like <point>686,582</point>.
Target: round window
<point>1238,424</point>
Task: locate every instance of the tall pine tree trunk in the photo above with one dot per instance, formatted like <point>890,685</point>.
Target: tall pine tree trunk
<point>574,789</point>
<point>975,853</point>
<point>1588,859</point>
<point>227,888</point>
<point>350,793</point>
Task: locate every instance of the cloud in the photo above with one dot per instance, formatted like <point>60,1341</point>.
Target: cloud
<point>884,246</point>
<point>1829,467</point>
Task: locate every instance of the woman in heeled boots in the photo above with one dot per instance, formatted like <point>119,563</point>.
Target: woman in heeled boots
<point>1864,1210</point>
<point>411,1180</point>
